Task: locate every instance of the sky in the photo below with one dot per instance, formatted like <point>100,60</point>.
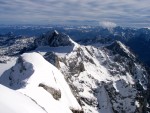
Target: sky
<point>132,13</point>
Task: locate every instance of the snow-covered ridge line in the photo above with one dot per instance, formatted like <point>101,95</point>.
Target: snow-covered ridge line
<point>55,39</point>
<point>35,77</point>
<point>15,102</point>
<point>120,48</point>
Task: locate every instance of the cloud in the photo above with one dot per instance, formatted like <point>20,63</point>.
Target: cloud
<point>123,12</point>
<point>107,24</point>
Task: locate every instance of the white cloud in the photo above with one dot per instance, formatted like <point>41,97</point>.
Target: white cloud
<point>108,24</point>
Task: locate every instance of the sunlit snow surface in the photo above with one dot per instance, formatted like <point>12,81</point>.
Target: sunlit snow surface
<point>15,102</point>
<point>6,66</point>
<point>38,70</point>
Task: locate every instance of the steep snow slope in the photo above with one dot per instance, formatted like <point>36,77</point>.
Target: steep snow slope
<point>15,102</point>
<point>35,77</point>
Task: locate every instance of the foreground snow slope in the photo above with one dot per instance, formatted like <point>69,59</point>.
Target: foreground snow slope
<point>15,102</point>
<point>34,76</point>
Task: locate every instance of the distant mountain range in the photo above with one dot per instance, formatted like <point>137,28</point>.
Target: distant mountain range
<point>138,40</point>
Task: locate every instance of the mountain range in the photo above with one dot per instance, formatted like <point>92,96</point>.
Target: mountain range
<point>137,39</point>
<point>94,75</point>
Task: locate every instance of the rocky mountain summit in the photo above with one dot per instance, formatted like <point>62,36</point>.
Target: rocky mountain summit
<point>54,39</point>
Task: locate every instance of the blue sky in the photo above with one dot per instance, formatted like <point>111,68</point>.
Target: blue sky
<point>134,13</point>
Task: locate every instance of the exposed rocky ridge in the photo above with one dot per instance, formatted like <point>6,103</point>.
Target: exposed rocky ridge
<point>113,79</point>
<point>118,48</point>
<point>54,39</point>
<point>55,93</point>
<point>52,58</point>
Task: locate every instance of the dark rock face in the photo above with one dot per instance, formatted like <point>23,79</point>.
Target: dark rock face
<point>118,48</point>
<point>54,39</point>
<point>55,93</point>
<point>52,58</point>
<point>77,111</point>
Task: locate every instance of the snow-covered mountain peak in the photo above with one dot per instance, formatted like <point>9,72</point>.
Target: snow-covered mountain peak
<point>56,32</point>
<point>55,39</point>
<point>119,48</point>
